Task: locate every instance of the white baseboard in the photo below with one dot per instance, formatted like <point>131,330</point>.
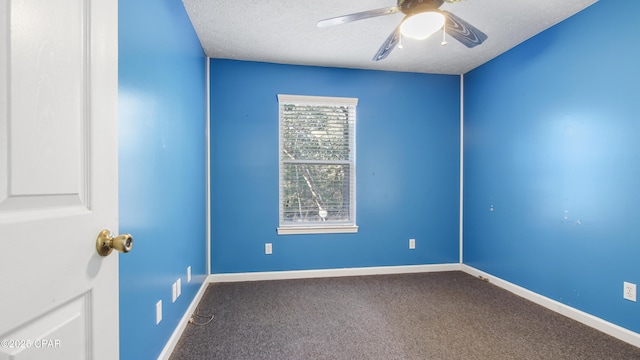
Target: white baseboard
<point>177,333</point>
<point>308,274</point>
<point>614,330</point>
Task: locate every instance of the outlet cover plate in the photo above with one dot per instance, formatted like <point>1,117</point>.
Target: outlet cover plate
<point>174,292</point>
<point>268,248</point>
<point>158,312</point>
<point>412,243</point>
<point>629,291</point>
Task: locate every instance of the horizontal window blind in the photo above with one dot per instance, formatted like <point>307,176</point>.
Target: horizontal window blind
<point>317,160</point>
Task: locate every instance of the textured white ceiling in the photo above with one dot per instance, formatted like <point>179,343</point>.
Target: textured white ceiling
<point>284,31</point>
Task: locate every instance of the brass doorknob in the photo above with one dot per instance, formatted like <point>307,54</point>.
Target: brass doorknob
<point>105,243</point>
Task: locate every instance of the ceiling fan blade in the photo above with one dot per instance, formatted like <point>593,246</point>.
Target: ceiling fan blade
<point>388,45</point>
<point>462,31</point>
<point>357,16</point>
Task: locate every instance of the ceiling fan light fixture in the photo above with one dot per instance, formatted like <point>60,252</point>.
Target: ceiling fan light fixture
<point>420,26</point>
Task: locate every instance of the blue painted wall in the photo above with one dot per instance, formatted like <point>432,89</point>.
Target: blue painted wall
<point>551,142</point>
<point>162,180</point>
<point>407,168</point>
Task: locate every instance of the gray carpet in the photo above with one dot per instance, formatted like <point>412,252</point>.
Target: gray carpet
<point>449,315</point>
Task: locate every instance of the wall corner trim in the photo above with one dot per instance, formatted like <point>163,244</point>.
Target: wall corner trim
<point>208,159</point>
<point>461,215</point>
<point>597,323</point>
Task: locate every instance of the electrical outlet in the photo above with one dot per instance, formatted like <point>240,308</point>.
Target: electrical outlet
<point>268,248</point>
<point>178,287</point>
<point>158,312</point>
<point>188,274</point>
<point>412,243</point>
<point>629,291</point>
<point>174,292</point>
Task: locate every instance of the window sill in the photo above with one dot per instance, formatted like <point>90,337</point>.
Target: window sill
<point>291,230</point>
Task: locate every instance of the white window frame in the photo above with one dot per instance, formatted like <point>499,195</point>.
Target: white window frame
<point>350,226</point>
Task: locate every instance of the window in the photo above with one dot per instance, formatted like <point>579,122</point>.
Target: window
<point>317,164</point>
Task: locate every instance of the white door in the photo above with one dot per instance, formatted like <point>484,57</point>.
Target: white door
<point>58,179</point>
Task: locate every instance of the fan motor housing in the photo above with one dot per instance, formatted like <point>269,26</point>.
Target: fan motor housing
<point>410,7</point>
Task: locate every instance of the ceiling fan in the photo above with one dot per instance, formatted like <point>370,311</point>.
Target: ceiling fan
<point>417,14</point>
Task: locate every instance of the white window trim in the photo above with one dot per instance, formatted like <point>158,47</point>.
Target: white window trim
<point>334,229</point>
<point>317,228</point>
<point>317,100</point>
